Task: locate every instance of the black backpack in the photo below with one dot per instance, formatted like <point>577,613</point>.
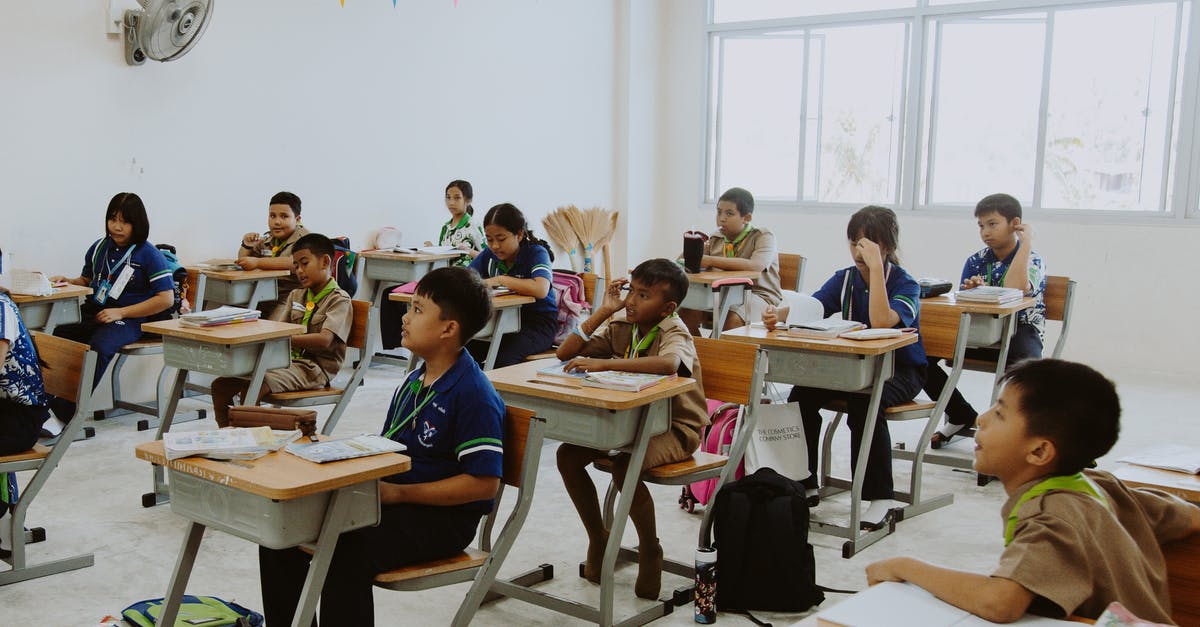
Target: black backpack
<point>344,259</point>
<point>764,560</point>
<point>178,275</point>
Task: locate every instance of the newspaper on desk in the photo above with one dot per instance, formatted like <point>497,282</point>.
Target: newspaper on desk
<point>344,448</point>
<point>238,443</point>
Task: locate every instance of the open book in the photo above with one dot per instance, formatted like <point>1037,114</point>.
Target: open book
<point>236,443</point>
<point>825,329</point>
<point>1177,457</point>
<point>607,379</point>
<point>905,605</point>
<point>427,250</point>
<point>344,448</point>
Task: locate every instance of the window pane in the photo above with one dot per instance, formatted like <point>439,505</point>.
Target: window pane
<point>854,113</point>
<point>984,112</point>
<point>759,115</point>
<point>1107,123</point>
<point>738,10</point>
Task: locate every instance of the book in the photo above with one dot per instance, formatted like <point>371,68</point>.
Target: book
<point>427,250</point>
<point>344,448</point>
<point>1177,457</point>
<point>556,371</point>
<point>219,264</point>
<point>226,314</point>
<point>622,381</point>
<point>990,294</point>
<point>825,329</point>
<point>872,334</point>
<point>237,443</point>
<point>906,605</point>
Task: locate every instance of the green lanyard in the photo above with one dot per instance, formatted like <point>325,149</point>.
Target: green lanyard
<point>412,389</point>
<point>732,247</point>
<point>466,219</point>
<point>636,346</point>
<point>848,291</point>
<point>496,263</point>
<point>1073,483</point>
<point>310,305</point>
<point>1005,274</point>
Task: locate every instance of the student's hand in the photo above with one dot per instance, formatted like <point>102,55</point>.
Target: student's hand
<point>59,279</point>
<point>613,301</point>
<point>1025,232</point>
<point>471,252</point>
<point>252,240</point>
<point>586,364</point>
<point>427,243</point>
<point>770,318</point>
<point>972,282</point>
<point>496,281</point>
<point>886,570</point>
<point>463,246</point>
<point>105,316</point>
<point>870,253</point>
<point>248,263</point>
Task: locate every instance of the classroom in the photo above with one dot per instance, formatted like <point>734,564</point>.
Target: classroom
<point>1086,111</point>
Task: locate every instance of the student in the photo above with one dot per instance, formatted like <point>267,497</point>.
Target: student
<point>877,292</point>
<point>648,337</point>
<point>1075,539</point>
<point>273,250</point>
<point>739,245</point>
<point>517,260</point>
<point>23,400</point>
<point>449,417</point>
<point>459,232</point>
<point>1008,261</point>
<point>326,313</point>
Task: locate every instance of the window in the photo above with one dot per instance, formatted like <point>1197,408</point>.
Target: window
<point>1068,105</point>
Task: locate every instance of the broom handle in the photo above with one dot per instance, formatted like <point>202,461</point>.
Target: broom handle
<point>607,265</point>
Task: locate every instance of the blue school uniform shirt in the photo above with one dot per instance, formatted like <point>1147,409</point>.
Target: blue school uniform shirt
<point>985,264</point>
<point>846,293</point>
<point>533,260</point>
<point>456,427</point>
<point>151,274</point>
<point>20,374</point>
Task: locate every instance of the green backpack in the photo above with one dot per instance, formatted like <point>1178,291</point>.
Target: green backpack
<point>204,611</point>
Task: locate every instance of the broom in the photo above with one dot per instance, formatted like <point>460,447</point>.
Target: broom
<point>558,228</point>
<point>589,226</point>
<point>608,224</point>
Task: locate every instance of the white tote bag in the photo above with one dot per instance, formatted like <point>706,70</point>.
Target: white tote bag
<point>778,441</point>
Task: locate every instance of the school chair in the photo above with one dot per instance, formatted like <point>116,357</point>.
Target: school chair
<point>1060,299</point>
<point>940,333</point>
<point>732,372</point>
<point>791,271</point>
<point>362,335</point>
<point>67,373</point>
<point>1183,579</point>
<point>523,436</point>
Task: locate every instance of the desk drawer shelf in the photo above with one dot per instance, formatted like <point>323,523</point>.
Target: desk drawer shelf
<point>223,360</point>
<point>831,371</point>
<point>592,426</point>
<point>238,292</point>
<point>985,331</point>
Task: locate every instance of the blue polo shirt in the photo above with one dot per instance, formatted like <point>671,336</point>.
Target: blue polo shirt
<point>533,261</point>
<point>151,274</point>
<point>985,264</point>
<point>846,293</point>
<point>20,374</point>
<point>456,428</point>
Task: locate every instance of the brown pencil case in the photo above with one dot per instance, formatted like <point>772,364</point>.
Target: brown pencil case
<point>277,418</point>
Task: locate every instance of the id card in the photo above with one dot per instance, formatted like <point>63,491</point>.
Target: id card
<point>122,280</point>
<point>101,295</point>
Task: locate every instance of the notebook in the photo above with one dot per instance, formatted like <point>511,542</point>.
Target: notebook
<point>905,605</point>
<point>990,294</point>
<point>1177,457</point>
<point>825,329</point>
<point>363,445</point>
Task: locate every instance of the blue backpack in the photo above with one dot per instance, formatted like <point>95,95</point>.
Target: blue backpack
<point>206,611</point>
<point>178,276</point>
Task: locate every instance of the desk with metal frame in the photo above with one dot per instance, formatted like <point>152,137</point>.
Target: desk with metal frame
<point>506,318</point>
<point>388,268</point>
<point>721,299</point>
<point>44,313</point>
<point>241,288</point>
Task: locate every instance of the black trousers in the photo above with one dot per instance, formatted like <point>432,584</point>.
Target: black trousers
<point>407,534</point>
<point>877,480</point>
<point>1025,344</point>
<point>391,320</point>
<point>19,428</point>
<point>536,335</point>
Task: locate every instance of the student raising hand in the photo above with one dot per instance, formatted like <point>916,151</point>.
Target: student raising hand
<point>613,301</point>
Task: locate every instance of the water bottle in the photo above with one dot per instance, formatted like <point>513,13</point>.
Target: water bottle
<point>706,586</point>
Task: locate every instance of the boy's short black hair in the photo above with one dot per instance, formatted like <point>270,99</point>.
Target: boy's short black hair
<point>1002,204</point>
<point>461,295</point>
<point>289,199</point>
<point>741,198</point>
<point>656,271</point>
<point>1073,405</point>
<point>315,243</point>
<point>131,209</point>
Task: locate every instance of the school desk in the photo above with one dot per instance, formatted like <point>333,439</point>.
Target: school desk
<point>837,364</point>
<point>277,501</point>
<point>231,350</point>
<point>506,318</point>
<point>720,300</point>
<point>389,268</point>
<point>241,288</point>
<point>596,418</point>
<point>44,313</point>
<point>1181,484</point>
<point>992,326</point>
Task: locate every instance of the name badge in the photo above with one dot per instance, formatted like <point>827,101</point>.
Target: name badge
<point>122,280</point>
<point>298,307</point>
<point>101,295</point>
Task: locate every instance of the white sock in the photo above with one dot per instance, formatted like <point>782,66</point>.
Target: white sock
<point>875,510</point>
<point>811,492</point>
<point>53,425</point>
<point>948,429</point>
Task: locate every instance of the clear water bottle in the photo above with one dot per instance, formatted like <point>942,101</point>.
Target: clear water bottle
<point>706,586</point>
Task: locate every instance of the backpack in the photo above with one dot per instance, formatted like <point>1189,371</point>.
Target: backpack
<point>207,611</point>
<point>179,277</point>
<point>572,303</point>
<point>344,260</point>
<point>718,437</point>
<point>760,526</point>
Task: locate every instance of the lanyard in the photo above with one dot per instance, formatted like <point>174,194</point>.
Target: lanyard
<point>1073,483</point>
<point>108,264</point>
<point>848,291</point>
<point>496,263</point>
<point>1006,268</point>
<point>411,390</point>
<point>466,219</point>
<point>636,347</point>
<point>731,248</point>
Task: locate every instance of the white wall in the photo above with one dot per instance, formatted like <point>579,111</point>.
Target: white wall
<point>1137,304</point>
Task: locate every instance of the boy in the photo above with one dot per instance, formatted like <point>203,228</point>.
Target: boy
<point>1008,261</point>
<point>648,338</point>
<point>449,417</point>
<point>275,252</point>
<point>738,245</point>
<point>1075,539</point>
<point>317,354</point>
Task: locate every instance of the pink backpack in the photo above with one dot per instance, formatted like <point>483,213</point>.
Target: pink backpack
<point>717,440</point>
<point>572,304</point>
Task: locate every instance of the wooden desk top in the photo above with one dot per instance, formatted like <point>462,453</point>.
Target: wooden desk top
<point>280,476</point>
<point>523,378</point>
<point>1180,484</point>
<point>60,293</point>
<point>413,257</point>
<point>241,275</point>
<point>240,333</point>
<point>779,339</point>
<point>499,302</point>
<point>708,277</point>
<point>948,300</point>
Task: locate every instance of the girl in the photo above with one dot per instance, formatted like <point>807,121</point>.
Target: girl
<point>517,260</point>
<point>459,232</point>
<point>877,292</point>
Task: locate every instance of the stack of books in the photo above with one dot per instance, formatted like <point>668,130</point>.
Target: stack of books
<point>990,295</point>
<point>226,314</point>
<point>826,329</point>
<point>238,443</point>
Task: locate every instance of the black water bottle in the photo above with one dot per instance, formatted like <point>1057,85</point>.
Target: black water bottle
<point>706,586</point>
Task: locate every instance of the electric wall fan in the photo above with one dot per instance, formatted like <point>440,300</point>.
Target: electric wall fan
<point>164,30</point>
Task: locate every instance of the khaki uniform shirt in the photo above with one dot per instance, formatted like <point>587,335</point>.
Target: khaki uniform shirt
<point>689,411</point>
<point>759,245</point>
<point>1078,556</point>
<point>334,312</point>
<point>286,283</point>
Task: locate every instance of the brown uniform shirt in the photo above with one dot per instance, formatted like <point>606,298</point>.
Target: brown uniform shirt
<point>1078,556</point>
<point>287,283</point>
<point>759,245</point>
<point>334,312</point>
<point>689,411</point>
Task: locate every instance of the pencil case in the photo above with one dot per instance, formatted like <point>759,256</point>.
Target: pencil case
<point>277,418</point>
